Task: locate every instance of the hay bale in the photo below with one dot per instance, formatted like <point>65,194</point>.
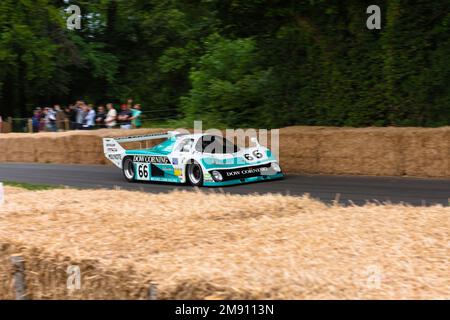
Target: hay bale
<point>313,150</point>
<point>74,147</point>
<point>299,150</point>
<point>359,151</point>
<point>427,152</point>
<point>366,151</point>
<point>299,248</point>
<point>47,278</point>
<point>19,149</point>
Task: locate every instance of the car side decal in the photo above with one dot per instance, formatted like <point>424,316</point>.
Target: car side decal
<point>151,159</point>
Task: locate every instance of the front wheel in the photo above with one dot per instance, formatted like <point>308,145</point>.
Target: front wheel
<point>195,174</point>
<point>128,169</point>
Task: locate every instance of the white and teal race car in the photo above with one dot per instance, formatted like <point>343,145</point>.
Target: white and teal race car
<point>197,159</point>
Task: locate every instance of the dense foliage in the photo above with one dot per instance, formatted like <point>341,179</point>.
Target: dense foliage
<point>261,63</point>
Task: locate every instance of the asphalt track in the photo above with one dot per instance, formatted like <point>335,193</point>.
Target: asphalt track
<point>356,189</point>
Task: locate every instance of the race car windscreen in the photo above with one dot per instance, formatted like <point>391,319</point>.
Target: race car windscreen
<point>166,146</point>
<point>215,144</point>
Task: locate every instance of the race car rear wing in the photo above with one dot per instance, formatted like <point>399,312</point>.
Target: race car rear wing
<point>115,152</point>
<point>145,137</point>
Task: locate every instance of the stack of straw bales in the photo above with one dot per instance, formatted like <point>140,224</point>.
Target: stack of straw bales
<point>367,151</point>
<point>422,152</point>
<point>75,147</point>
<point>213,246</point>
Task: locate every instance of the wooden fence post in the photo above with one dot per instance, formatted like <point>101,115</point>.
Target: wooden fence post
<point>10,122</point>
<point>19,277</point>
<point>153,292</point>
<point>30,125</point>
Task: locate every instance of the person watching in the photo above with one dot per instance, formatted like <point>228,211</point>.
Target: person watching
<point>111,116</point>
<point>50,119</point>
<point>89,119</point>
<point>80,108</point>
<point>100,118</point>
<point>36,120</point>
<point>124,117</point>
<point>136,116</point>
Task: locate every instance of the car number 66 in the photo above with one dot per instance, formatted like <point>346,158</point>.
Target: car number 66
<point>256,154</point>
<point>143,171</point>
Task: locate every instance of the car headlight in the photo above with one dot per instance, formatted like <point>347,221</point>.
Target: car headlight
<point>276,167</point>
<point>217,175</point>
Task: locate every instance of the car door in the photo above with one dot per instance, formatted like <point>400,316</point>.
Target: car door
<point>181,153</point>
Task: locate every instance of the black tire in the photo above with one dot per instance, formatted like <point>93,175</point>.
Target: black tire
<point>194,174</point>
<point>128,169</point>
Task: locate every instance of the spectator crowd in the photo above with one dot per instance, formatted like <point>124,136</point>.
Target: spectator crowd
<point>82,116</point>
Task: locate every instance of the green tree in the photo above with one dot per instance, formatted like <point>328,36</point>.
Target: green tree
<point>268,63</point>
<point>227,83</point>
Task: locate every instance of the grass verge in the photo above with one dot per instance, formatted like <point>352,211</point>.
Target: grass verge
<point>31,186</point>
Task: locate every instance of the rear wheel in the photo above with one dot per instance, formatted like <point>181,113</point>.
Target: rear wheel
<point>195,174</point>
<point>128,169</point>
